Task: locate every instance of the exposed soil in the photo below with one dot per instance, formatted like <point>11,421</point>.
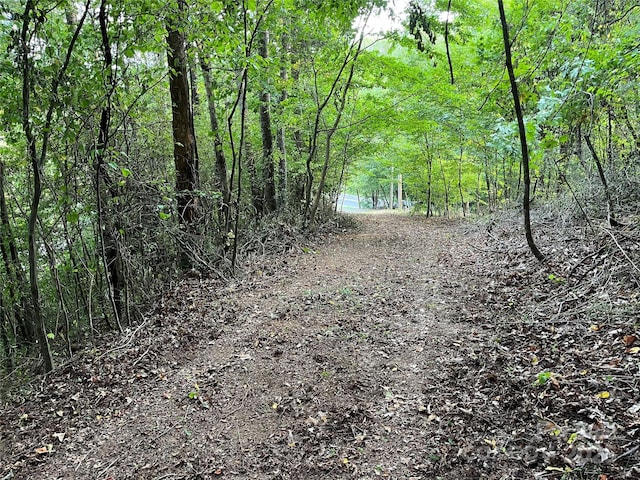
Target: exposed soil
<point>404,349</point>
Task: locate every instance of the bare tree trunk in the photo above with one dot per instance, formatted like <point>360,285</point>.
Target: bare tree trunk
<point>222,182</point>
<point>108,231</point>
<point>268,168</point>
<point>523,136</point>
<point>632,131</point>
<point>446,43</point>
<point>309,209</point>
<point>446,189</point>
<point>603,179</point>
<point>37,162</point>
<point>429,183</point>
<point>4,337</point>
<point>186,162</point>
<point>280,133</point>
<point>14,278</point>
<point>464,205</point>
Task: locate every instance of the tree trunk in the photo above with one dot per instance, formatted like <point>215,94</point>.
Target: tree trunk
<point>523,135</point>
<point>446,43</point>
<point>632,130</point>
<point>429,183</point>
<point>309,209</point>
<point>268,167</point>
<point>111,256</point>
<point>37,162</point>
<point>603,179</point>
<point>280,133</point>
<point>14,279</point>
<point>464,204</point>
<point>221,179</point>
<point>185,160</point>
<point>446,189</point>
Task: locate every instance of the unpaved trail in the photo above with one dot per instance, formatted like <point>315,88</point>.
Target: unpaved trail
<point>325,364</point>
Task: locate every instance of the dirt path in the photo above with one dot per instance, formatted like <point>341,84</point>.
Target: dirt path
<point>372,355</point>
<point>321,366</point>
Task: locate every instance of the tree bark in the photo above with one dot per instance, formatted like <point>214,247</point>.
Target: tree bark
<point>464,204</point>
<point>603,179</point>
<point>111,256</point>
<point>14,278</point>
<point>280,133</point>
<point>268,167</point>
<point>37,162</point>
<point>523,136</point>
<point>446,43</point>
<point>221,179</point>
<point>185,160</point>
<point>446,189</point>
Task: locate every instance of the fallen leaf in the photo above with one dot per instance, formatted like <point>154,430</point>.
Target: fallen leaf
<point>59,436</point>
<point>491,443</point>
<point>604,394</point>
<point>594,328</point>
<point>629,340</point>
<point>558,469</point>
<point>633,350</point>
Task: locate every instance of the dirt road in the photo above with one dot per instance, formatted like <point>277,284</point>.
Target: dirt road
<point>368,356</point>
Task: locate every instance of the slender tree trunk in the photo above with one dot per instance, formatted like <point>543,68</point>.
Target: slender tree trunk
<point>281,133</point>
<point>186,163</point>
<point>14,279</point>
<point>523,136</point>
<point>446,189</point>
<point>632,130</point>
<point>111,256</point>
<point>609,137</point>
<point>332,130</point>
<point>193,83</point>
<point>343,169</point>
<point>222,182</point>
<point>446,43</point>
<point>4,337</point>
<point>320,106</point>
<point>429,183</point>
<point>268,167</point>
<point>37,162</point>
<point>464,205</point>
<point>603,179</point>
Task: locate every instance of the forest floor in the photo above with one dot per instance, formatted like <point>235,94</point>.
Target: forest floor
<point>400,348</point>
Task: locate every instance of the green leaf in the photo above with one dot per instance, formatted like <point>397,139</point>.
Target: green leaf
<point>73,217</point>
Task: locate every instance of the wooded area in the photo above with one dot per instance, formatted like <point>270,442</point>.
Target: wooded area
<point>141,140</point>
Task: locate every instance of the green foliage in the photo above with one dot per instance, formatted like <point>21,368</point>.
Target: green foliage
<point>456,146</point>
